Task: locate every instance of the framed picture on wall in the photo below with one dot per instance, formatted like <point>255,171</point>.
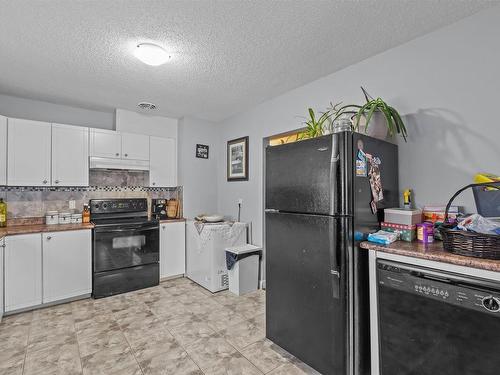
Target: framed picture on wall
<point>202,151</point>
<point>237,159</point>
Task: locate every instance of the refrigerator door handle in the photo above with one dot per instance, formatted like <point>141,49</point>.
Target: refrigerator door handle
<point>335,282</point>
<point>334,161</point>
<point>271,210</point>
<point>334,263</point>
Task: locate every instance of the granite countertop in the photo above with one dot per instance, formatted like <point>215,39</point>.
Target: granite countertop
<point>164,221</point>
<point>433,251</point>
<point>41,228</point>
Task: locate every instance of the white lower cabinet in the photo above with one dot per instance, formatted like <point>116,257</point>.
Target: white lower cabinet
<point>66,265</point>
<point>23,271</point>
<point>172,249</point>
<point>48,267</point>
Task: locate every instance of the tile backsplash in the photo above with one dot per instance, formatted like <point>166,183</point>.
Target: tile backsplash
<point>25,201</point>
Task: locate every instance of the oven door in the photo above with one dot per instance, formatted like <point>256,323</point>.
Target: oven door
<point>123,246</point>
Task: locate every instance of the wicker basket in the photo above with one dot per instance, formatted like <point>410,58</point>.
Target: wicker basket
<point>470,244</point>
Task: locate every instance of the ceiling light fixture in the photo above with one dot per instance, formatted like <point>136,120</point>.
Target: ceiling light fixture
<point>147,106</point>
<point>151,54</point>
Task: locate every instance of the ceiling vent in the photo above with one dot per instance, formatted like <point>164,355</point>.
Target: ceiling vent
<point>147,106</point>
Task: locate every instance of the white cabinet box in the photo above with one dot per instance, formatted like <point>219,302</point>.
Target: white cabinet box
<point>105,144</point>
<point>28,155</point>
<point>172,249</point>
<point>70,155</point>
<point>116,145</point>
<point>135,146</point>
<point>23,271</point>
<point>67,265</point>
<point>162,162</point>
<point>3,150</point>
<point>45,268</point>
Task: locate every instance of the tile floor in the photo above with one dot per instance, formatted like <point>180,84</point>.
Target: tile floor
<point>175,328</point>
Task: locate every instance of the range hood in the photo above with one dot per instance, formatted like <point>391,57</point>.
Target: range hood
<point>124,164</point>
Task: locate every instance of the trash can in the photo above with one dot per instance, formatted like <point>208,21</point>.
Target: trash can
<point>243,268</point>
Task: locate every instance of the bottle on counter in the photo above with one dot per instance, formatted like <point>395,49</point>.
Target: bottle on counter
<point>407,199</point>
<point>86,214</point>
<point>3,213</point>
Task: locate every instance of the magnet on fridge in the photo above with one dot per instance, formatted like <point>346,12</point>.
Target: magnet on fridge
<point>361,164</point>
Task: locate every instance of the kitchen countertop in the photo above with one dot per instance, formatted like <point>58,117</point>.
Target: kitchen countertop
<point>433,251</point>
<point>164,221</point>
<point>41,228</point>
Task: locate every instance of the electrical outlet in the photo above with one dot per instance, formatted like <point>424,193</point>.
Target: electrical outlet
<point>72,205</point>
<point>240,200</point>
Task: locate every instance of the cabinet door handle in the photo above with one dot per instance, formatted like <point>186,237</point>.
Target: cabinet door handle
<point>154,183</point>
<point>126,155</point>
<point>117,154</point>
<point>56,181</point>
<point>49,238</point>
<point>163,227</point>
<point>45,181</point>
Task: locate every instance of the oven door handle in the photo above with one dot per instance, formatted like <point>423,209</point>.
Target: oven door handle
<point>134,229</point>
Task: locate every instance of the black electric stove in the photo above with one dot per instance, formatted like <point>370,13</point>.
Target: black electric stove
<point>125,246</point>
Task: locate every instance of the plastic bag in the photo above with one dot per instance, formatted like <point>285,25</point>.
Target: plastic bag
<point>479,224</point>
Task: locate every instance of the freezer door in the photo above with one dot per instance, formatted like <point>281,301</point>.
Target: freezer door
<point>306,288</point>
<point>305,176</point>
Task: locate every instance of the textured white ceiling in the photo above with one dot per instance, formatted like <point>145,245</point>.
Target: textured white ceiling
<point>228,55</point>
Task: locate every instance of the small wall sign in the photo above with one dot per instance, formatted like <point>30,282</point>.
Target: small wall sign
<point>202,151</point>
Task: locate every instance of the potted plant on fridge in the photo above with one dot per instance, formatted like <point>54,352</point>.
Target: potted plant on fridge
<point>375,118</point>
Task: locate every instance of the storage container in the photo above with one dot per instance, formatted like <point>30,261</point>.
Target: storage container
<point>243,268</point>
<point>425,232</point>
<point>76,218</point>
<point>402,216</point>
<point>407,233</point>
<point>65,218</point>
<point>52,218</point>
<point>435,213</point>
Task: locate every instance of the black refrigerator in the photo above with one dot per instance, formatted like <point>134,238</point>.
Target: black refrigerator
<point>319,205</point>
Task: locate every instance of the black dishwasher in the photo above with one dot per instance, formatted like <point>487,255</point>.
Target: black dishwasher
<point>436,323</point>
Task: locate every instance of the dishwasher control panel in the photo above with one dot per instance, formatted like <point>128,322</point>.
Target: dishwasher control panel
<point>438,285</point>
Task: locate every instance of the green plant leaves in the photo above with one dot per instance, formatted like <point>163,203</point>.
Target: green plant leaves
<point>394,122</point>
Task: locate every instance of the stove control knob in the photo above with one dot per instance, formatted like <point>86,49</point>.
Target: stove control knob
<point>491,304</point>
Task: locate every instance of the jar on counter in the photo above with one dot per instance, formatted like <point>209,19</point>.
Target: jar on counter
<point>52,218</point>
<point>65,218</point>
<point>76,218</point>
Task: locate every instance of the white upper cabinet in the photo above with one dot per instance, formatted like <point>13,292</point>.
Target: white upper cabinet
<point>23,271</point>
<point>105,143</point>
<point>135,146</point>
<point>28,156</point>
<point>70,155</point>
<point>162,162</point>
<point>67,268</point>
<point>3,150</point>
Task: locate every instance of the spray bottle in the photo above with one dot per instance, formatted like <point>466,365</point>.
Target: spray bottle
<point>407,199</point>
